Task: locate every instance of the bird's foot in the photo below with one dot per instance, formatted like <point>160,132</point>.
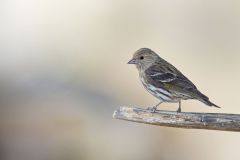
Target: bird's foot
<point>179,110</point>
<point>152,109</point>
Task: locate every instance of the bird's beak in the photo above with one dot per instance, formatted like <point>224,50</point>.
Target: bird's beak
<point>132,61</point>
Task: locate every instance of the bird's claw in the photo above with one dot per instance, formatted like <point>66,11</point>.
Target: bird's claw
<point>152,109</point>
<point>179,110</point>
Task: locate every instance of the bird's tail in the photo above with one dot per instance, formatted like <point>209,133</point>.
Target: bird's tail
<point>209,103</point>
<point>205,100</point>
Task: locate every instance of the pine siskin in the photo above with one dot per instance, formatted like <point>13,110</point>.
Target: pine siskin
<point>164,81</point>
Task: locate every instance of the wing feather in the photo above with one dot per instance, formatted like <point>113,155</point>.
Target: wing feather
<point>163,74</point>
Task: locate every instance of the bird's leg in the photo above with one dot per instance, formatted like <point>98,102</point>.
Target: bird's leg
<point>154,108</point>
<point>179,107</point>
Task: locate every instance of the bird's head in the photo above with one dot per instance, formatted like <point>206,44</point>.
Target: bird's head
<point>144,58</point>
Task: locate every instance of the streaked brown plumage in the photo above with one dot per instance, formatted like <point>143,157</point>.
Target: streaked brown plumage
<point>164,81</point>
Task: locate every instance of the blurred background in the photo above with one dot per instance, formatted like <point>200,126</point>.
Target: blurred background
<point>63,72</point>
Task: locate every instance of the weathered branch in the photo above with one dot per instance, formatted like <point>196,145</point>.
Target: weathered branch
<point>212,121</point>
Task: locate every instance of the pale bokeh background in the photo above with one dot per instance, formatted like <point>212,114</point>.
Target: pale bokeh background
<point>63,72</point>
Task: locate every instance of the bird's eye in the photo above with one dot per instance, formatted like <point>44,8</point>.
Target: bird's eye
<point>141,57</point>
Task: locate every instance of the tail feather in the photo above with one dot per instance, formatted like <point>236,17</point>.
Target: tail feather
<point>209,103</point>
<point>206,100</point>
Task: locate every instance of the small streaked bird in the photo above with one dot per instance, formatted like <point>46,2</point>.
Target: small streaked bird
<point>164,81</point>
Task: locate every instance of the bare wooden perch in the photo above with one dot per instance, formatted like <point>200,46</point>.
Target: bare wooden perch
<point>212,121</point>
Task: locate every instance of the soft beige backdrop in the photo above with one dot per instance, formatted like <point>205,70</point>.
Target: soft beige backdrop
<point>63,72</point>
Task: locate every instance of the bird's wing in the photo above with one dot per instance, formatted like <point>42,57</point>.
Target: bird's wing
<point>165,74</point>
